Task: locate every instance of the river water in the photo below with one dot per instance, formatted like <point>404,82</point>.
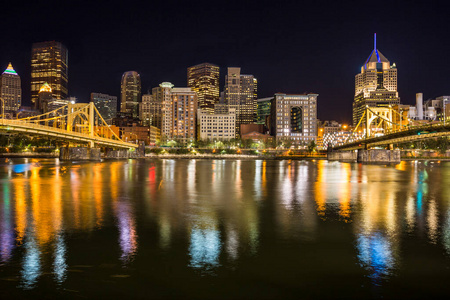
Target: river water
<point>231,229</point>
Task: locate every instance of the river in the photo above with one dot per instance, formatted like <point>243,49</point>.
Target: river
<point>231,229</point>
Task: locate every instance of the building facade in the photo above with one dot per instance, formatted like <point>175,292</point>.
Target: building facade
<point>49,63</point>
<point>130,94</point>
<point>162,98</point>
<point>184,114</point>
<point>204,80</point>
<point>10,89</point>
<point>375,86</point>
<point>263,110</point>
<point>294,117</point>
<point>217,126</point>
<point>241,90</point>
<point>45,96</point>
<point>106,105</point>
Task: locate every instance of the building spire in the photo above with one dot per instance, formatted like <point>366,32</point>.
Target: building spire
<point>10,70</point>
<point>375,41</point>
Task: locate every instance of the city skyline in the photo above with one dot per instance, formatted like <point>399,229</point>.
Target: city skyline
<point>287,58</point>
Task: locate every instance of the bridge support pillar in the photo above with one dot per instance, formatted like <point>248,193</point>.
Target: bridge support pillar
<point>378,156</point>
<point>123,153</point>
<point>79,153</point>
<point>342,155</point>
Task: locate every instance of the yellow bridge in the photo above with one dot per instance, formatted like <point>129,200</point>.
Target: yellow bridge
<point>394,131</point>
<point>76,123</point>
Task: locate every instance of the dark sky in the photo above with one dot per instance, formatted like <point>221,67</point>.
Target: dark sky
<point>290,46</point>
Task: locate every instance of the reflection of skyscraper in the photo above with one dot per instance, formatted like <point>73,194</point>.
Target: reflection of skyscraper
<point>376,85</point>
<point>204,80</point>
<point>10,89</point>
<point>49,63</point>
<point>130,93</point>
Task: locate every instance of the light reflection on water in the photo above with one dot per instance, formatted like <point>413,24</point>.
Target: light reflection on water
<point>217,213</point>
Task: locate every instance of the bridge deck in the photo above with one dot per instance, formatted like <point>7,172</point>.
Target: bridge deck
<point>37,129</point>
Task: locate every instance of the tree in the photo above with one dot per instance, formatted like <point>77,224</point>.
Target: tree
<point>311,146</point>
<point>442,144</point>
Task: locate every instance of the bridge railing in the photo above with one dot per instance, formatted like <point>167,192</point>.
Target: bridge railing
<point>27,126</point>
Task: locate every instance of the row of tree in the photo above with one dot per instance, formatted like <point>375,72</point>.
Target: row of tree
<point>286,143</point>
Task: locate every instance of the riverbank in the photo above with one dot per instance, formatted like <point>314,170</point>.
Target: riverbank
<point>231,156</point>
<point>30,155</point>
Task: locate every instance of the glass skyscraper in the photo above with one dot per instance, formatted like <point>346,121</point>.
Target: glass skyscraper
<point>49,63</point>
<point>204,80</point>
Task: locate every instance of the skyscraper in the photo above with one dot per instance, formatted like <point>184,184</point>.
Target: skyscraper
<point>49,63</point>
<point>162,98</point>
<point>106,105</point>
<point>204,80</point>
<point>376,85</point>
<point>241,91</point>
<point>294,117</point>
<point>44,98</point>
<point>10,89</point>
<point>130,93</point>
<point>184,108</point>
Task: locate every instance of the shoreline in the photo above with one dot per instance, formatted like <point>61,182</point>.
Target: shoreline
<point>211,156</point>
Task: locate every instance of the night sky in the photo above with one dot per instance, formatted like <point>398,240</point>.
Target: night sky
<point>290,46</point>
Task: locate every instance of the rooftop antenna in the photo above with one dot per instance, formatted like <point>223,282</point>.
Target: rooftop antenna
<point>375,41</point>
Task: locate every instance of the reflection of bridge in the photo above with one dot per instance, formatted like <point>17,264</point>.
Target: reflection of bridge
<point>394,133</point>
<point>75,123</point>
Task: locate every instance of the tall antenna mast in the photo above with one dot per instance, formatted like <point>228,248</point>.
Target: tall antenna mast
<point>375,41</point>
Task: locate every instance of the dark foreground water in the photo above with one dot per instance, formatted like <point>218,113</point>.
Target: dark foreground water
<point>223,229</point>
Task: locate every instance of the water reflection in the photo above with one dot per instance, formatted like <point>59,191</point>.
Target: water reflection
<point>375,254</point>
<point>216,213</point>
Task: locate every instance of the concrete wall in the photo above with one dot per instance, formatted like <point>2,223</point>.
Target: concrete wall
<point>342,155</point>
<point>378,156</point>
<point>118,154</point>
<point>79,153</point>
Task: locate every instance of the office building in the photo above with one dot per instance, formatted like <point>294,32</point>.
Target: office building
<point>106,105</point>
<point>294,117</point>
<point>49,63</point>
<point>162,108</point>
<point>150,111</point>
<point>241,90</point>
<point>184,114</point>
<point>204,80</point>
<point>45,96</point>
<point>376,85</point>
<point>217,126</point>
<point>10,89</point>
<point>263,110</point>
<point>130,93</point>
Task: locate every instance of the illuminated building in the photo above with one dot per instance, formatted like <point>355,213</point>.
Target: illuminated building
<point>10,89</point>
<point>241,90</point>
<point>184,112</point>
<point>162,106</point>
<point>106,105</point>
<point>217,126</point>
<point>49,63</point>
<point>44,97</point>
<point>263,110</point>
<point>376,85</point>
<point>130,93</point>
<point>294,117</point>
<point>150,109</point>
<point>338,138</point>
<point>204,80</point>
<point>175,109</point>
